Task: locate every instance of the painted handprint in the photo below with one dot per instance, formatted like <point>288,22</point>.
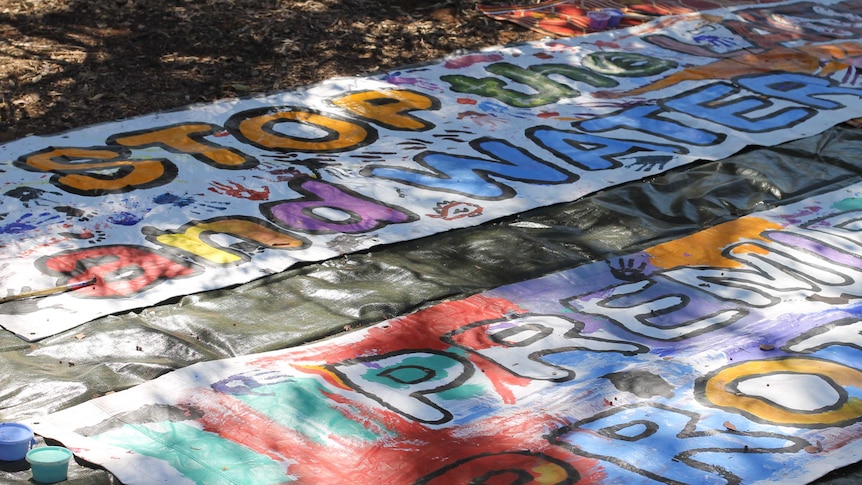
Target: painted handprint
<point>647,163</point>
<point>715,41</point>
<point>627,271</point>
<point>239,191</point>
<point>73,213</point>
<point>209,206</point>
<point>28,222</point>
<point>31,194</point>
<point>187,199</point>
<point>174,200</point>
<point>398,79</point>
<point>247,383</point>
<point>93,236</point>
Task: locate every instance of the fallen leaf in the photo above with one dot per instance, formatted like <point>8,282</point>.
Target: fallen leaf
<point>814,449</point>
<point>239,87</point>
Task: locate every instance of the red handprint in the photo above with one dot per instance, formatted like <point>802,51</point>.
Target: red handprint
<point>239,191</point>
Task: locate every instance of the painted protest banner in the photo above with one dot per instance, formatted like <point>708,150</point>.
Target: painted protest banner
<point>729,356</point>
<point>566,18</point>
<point>174,203</point>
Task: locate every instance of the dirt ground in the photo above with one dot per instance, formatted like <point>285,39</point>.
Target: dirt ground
<point>70,63</point>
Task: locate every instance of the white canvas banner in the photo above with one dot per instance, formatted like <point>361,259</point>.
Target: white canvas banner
<point>125,215</point>
<point>729,356</point>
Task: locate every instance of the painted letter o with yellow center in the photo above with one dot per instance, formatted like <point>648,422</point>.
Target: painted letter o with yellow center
<point>717,390</point>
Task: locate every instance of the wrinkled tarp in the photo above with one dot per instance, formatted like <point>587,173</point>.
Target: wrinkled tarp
<point>321,299</point>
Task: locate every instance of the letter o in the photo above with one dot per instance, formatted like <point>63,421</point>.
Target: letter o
<point>257,127</point>
<point>521,467</point>
<point>713,390</point>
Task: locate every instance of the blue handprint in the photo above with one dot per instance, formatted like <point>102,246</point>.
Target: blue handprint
<point>715,40</point>
<point>28,222</point>
<point>245,384</point>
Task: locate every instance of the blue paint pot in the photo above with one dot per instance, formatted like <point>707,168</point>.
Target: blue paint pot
<point>50,464</point>
<point>15,440</point>
<point>598,19</point>
<point>616,17</point>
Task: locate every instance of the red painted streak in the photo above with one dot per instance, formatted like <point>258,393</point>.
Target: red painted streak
<point>500,378</point>
<point>410,453</point>
<point>470,59</point>
<point>239,191</point>
<point>548,114</point>
<point>233,420</point>
<point>602,43</point>
<point>420,330</point>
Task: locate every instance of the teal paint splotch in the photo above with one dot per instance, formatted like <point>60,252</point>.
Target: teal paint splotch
<point>457,351</point>
<point>850,204</point>
<point>301,405</point>
<point>198,455</point>
<point>464,391</point>
<point>412,370</point>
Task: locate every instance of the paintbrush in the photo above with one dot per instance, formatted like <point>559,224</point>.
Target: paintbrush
<point>639,16</point>
<point>48,291</point>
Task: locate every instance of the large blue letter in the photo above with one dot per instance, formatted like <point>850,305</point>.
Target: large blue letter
<point>646,119</point>
<point>704,103</point>
<point>592,152</point>
<point>475,177</point>
<point>799,88</point>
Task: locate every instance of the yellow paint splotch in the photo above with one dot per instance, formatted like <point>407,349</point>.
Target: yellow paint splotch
<point>549,473</point>
<point>705,247</point>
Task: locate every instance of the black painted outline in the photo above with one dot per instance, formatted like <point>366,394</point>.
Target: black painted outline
<point>81,268</point>
<point>199,137</point>
<point>572,475</point>
<point>574,332</point>
<point>484,174</point>
<point>820,330</point>
<point>122,154</point>
<point>469,370</point>
<point>610,158</point>
<point>689,431</point>
<point>151,234</point>
<point>296,184</point>
<point>653,115</point>
<point>644,318</point>
<point>233,124</point>
<point>700,394</point>
<point>734,90</point>
<point>406,112</point>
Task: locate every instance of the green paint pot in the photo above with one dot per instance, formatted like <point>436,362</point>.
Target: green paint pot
<point>50,464</point>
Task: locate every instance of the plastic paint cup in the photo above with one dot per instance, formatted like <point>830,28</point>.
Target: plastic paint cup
<point>615,18</point>
<point>598,19</point>
<point>50,464</point>
<point>15,440</point>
